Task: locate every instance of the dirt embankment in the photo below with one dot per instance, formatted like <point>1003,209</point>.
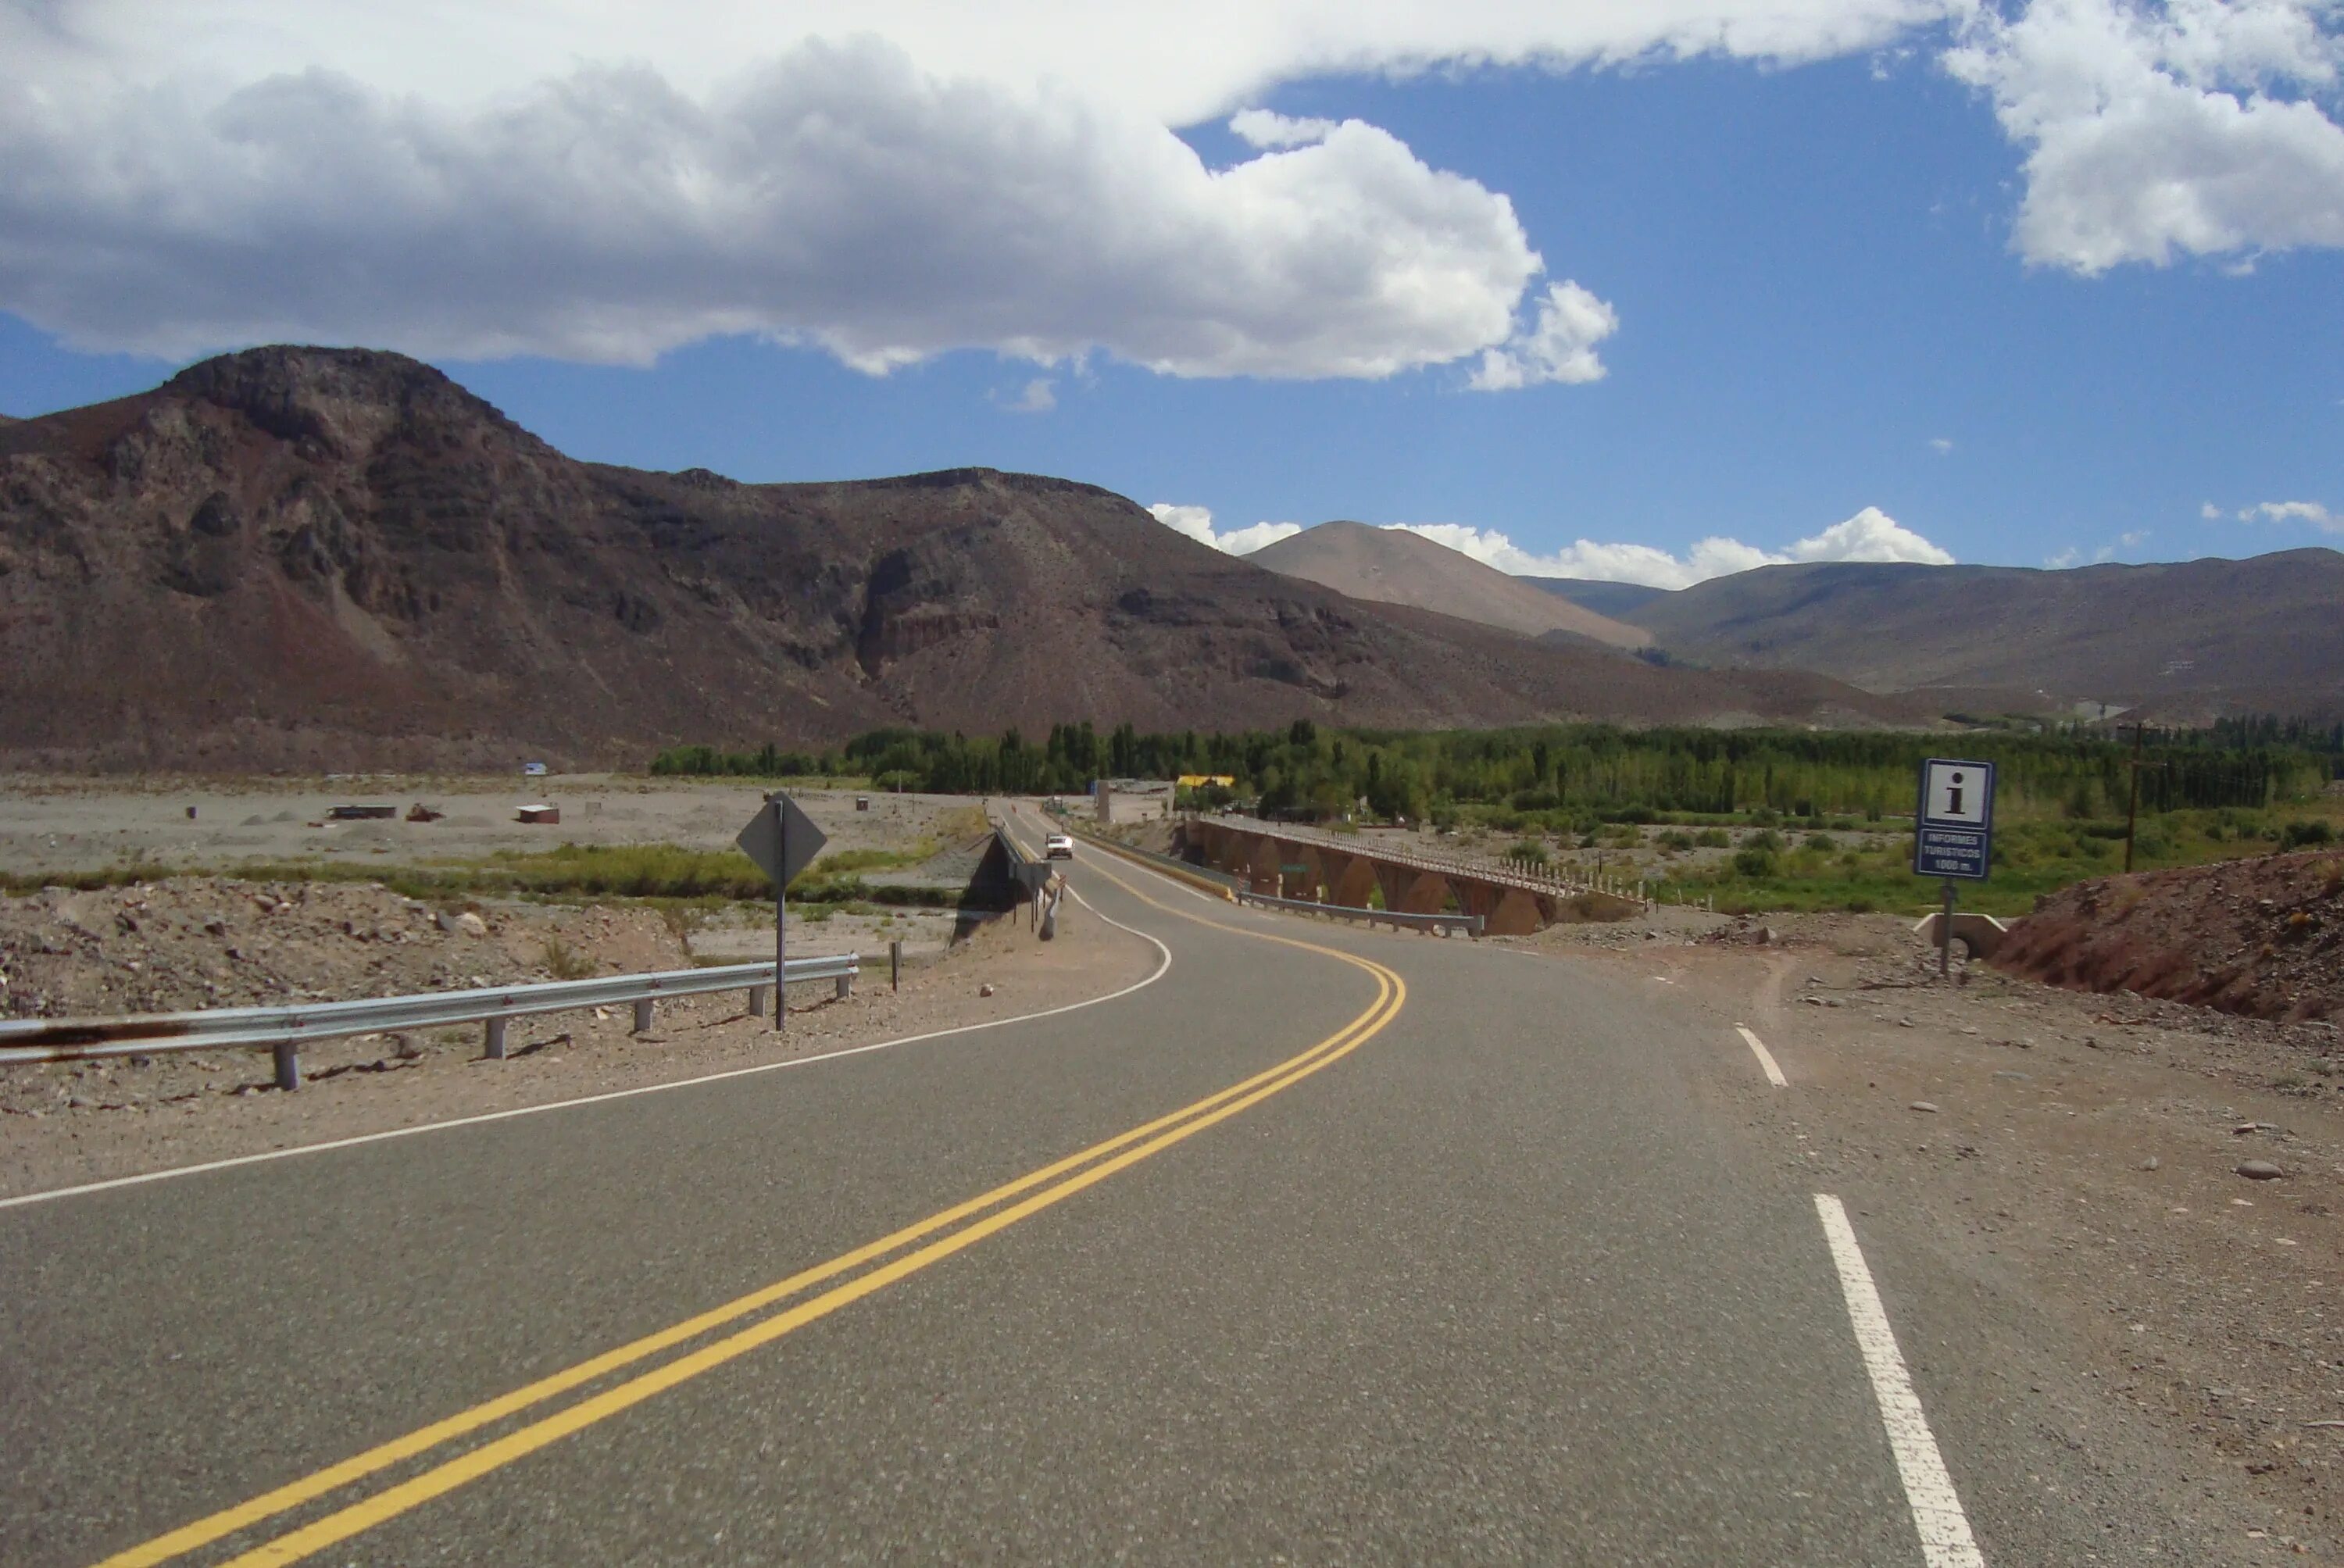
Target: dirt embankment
<point>2261,937</point>
<point>200,942</point>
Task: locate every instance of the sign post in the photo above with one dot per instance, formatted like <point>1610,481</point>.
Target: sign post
<point>783,840</point>
<point>1953,833</point>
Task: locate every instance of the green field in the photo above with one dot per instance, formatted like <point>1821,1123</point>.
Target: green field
<point>652,871</point>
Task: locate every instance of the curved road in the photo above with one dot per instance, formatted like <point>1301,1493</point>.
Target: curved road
<point>1325,1247</point>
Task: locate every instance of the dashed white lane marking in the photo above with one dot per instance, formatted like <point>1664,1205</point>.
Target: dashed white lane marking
<point>1944,1529</point>
<point>1163,964</point>
<point>1765,1057</point>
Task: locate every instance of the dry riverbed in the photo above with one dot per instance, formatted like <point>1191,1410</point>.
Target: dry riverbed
<point>50,826</point>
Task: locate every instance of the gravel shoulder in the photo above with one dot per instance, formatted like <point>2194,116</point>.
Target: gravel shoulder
<point>66,1123</point>
<point>2067,1168</point>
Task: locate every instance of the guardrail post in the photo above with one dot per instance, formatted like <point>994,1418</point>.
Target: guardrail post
<point>845,986</point>
<point>289,1065</point>
<point>756,1001</point>
<point>894,964</point>
<point>643,1016</point>
<point>494,1046</point>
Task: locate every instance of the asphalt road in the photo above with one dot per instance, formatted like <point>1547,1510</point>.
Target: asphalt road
<point>1487,1262</point>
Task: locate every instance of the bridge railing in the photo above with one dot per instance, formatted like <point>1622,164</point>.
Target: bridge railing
<point>1444,924</point>
<point>1503,872</point>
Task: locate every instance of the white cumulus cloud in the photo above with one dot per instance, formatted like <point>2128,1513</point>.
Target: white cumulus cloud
<point>1036,398</point>
<point>1196,522</point>
<point>1870,535</point>
<point>2311,511</point>
<point>891,179</point>
<point>1178,66</point>
<point>2187,128</point>
<point>1556,344</point>
<point>837,195</point>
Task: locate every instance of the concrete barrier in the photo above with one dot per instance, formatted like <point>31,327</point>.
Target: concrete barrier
<point>1980,934</point>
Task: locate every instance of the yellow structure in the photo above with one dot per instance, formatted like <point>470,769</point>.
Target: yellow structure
<point>1198,780</point>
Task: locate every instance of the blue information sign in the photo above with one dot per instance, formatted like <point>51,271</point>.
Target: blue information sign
<point>1953,833</point>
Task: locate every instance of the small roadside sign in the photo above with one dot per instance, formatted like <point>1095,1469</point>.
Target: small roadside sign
<point>1952,829</point>
<point>782,839</point>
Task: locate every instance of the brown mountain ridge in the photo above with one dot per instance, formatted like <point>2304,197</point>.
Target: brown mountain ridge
<point>293,558</point>
<point>2184,640</point>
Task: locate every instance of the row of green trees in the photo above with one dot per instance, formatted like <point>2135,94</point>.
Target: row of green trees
<point>1587,771</point>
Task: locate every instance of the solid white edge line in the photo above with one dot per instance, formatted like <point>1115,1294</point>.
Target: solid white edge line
<point>1944,1529</point>
<point>1765,1059</point>
<point>22,1199</point>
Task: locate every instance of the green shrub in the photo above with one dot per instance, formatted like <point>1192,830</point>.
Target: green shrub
<point>2317,830</point>
<point>1530,849</point>
<point>564,961</point>
<point>1755,861</point>
<point>1713,839</point>
<point>1821,843</point>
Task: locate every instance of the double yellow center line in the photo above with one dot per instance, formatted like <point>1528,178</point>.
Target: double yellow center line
<point>930,1240</point>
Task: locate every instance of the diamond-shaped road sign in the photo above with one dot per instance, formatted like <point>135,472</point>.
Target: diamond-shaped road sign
<point>782,843</point>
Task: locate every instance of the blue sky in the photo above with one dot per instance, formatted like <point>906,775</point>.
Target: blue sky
<point>1842,290</point>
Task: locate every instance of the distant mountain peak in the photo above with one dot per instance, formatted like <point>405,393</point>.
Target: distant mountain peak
<point>348,399</point>
<point>1395,566</point>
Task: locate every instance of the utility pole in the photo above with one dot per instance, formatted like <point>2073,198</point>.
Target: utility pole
<point>2132,803</point>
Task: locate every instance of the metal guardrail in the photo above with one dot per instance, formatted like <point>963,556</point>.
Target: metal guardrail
<point>1028,872</point>
<point>283,1030</point>
<point>1469,924</point>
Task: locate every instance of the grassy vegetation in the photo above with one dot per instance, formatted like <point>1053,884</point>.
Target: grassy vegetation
<point>2032,856</point>
<point>565,962</point>
<point>1550,777</point>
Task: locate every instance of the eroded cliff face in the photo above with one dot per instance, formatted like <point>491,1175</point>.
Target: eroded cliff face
<point>338,558</point>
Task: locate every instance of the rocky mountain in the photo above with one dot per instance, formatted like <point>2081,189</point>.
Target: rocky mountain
<point>336,558</point>
<point>2187,641</point>
<point>1392,566</point>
